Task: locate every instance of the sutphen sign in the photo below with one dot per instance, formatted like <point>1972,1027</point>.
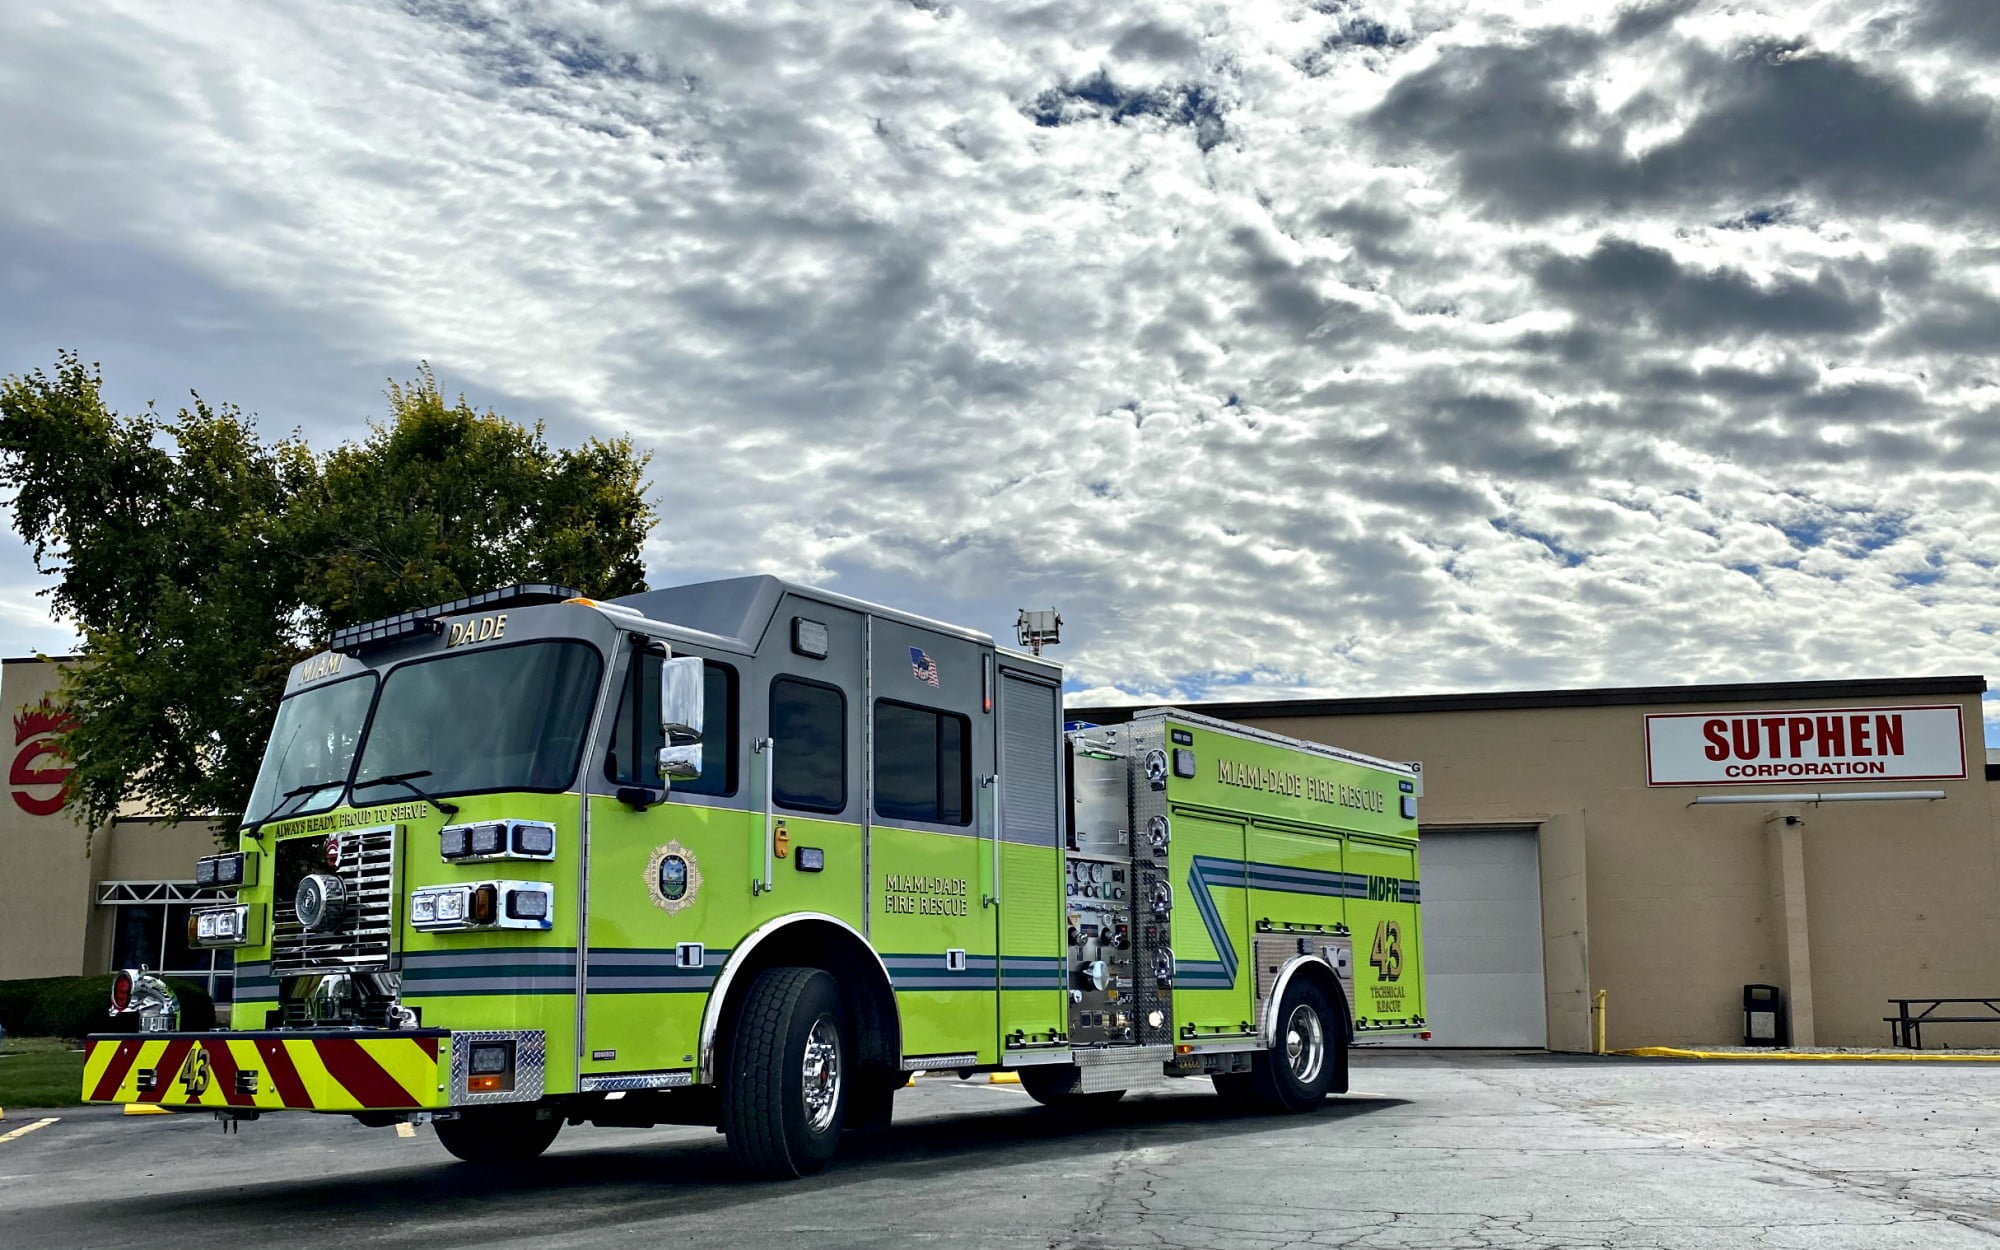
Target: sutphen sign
<point>1815,744</point>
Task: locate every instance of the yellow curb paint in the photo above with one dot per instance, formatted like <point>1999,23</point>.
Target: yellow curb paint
<point>145,1108</point>
<point>1915,1056</point>
<point>1004,1078</point>
<point>406,1130</point>
<point>26,1129</point>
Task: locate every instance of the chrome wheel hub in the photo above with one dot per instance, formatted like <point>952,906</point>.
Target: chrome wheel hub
<point>1305,1044</point>
<point>821,1086</point>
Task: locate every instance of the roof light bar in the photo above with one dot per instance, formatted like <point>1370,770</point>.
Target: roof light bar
<point>424,620</point>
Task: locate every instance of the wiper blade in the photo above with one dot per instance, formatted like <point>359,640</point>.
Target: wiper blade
<point>296,792</point>
<point>404,780</point>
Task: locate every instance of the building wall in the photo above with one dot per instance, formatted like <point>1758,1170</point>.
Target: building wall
<point>50,923</point>
<point>1672,908</point>
<point>45,878</point>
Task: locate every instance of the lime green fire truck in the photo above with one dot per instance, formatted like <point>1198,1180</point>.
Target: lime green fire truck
<point>750,854</point>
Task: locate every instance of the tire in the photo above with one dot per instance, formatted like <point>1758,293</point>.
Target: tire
<point>1237,1090</point>
<point>498,1135</point>
<point>786,1082</point>
<point>1049,1086</point>
<point>872,1104</point>
<point>1308,1052</point>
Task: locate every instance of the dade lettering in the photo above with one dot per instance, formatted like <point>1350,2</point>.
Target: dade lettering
<point>479,629</point>
<point>911,895</point>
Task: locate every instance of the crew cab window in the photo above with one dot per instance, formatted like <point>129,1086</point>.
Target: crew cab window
<point>809,727</point>
<point>923,764</point>
<point>633,757</point>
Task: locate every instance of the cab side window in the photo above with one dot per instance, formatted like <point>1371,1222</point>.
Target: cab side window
<point>633,757</point>
<point>809,726</point>
<point>923,765</point>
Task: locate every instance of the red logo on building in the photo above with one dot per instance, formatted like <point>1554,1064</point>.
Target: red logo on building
<point>37,730</point>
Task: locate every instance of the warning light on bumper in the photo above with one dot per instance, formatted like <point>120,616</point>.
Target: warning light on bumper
<point>497,839</point>
<point>489,1067</point>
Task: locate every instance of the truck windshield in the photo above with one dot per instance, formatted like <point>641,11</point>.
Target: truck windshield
<point>499,718</point>
<point>311,749</point>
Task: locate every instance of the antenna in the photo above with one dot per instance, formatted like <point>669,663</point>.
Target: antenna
<point>1038,628</point>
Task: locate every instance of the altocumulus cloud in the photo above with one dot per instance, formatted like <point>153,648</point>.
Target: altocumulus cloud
<point>1350,346</point>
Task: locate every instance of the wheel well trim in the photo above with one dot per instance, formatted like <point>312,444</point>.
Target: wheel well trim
<point>1267,1029</point>
<point>718,994</point>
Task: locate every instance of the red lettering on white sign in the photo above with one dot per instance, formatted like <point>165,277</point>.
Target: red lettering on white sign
<point>1887,744</point>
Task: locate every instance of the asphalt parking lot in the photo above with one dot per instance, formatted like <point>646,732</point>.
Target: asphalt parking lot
<point>1437,1150</point>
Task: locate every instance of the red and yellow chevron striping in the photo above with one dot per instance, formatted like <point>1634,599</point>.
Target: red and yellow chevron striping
<point>310,1073</point>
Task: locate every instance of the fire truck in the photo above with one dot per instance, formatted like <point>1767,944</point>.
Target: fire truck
<point>749,854</point>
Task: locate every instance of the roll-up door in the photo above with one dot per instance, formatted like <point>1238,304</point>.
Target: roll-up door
<point>1028,781</point>
<point>1482,937</point>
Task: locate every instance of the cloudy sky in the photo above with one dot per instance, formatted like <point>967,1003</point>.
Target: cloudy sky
<point>1344,347</point>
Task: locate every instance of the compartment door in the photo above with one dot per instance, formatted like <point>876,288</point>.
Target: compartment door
<point>1033,954</point>
<point>1388,955</point>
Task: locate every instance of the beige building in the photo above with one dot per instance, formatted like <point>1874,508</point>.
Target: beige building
<point>72,904</point>
<point>1666,845</point>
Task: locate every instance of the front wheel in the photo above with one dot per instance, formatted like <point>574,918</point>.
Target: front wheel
<point>1307,1051</point>
<point>513,1133</point>
<point>785,1086</point>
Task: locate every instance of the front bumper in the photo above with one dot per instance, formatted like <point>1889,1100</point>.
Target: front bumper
<point>300,1070</point>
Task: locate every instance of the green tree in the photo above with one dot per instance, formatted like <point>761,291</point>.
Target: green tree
<point>200,563</point>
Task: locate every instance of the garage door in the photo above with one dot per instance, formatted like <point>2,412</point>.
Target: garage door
<point>1482,937</point>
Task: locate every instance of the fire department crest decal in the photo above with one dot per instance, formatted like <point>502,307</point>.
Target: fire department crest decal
<point>673,878</point>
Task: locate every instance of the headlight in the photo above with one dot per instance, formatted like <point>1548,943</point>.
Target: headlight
<point>225,926</point>
<point>483,905</point>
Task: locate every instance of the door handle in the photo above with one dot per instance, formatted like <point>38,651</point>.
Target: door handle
<point>992,782</point>
<point>768,748</point>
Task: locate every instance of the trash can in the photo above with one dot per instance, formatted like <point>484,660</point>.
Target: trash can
<point>1764,1017</point>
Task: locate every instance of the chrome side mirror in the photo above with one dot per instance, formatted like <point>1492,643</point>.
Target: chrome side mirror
<point>682,688</point>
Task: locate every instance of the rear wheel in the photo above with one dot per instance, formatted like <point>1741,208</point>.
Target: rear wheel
<point>1306,1052</point>
<point>1236,1089</point>
<point>514,1133</point>
<point>785,1086</point>
<point>1050,1086</point>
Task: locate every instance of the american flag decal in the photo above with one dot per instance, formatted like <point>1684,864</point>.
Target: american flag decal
<point>922,667</point>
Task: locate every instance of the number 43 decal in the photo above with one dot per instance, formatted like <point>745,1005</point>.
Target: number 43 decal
<point>1387,955</point>
<point>194,1073</point>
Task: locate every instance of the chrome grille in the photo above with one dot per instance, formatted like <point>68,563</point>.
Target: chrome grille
<point>364,938</point>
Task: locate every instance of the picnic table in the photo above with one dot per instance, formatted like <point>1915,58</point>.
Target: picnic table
<point>1912,1014</point>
